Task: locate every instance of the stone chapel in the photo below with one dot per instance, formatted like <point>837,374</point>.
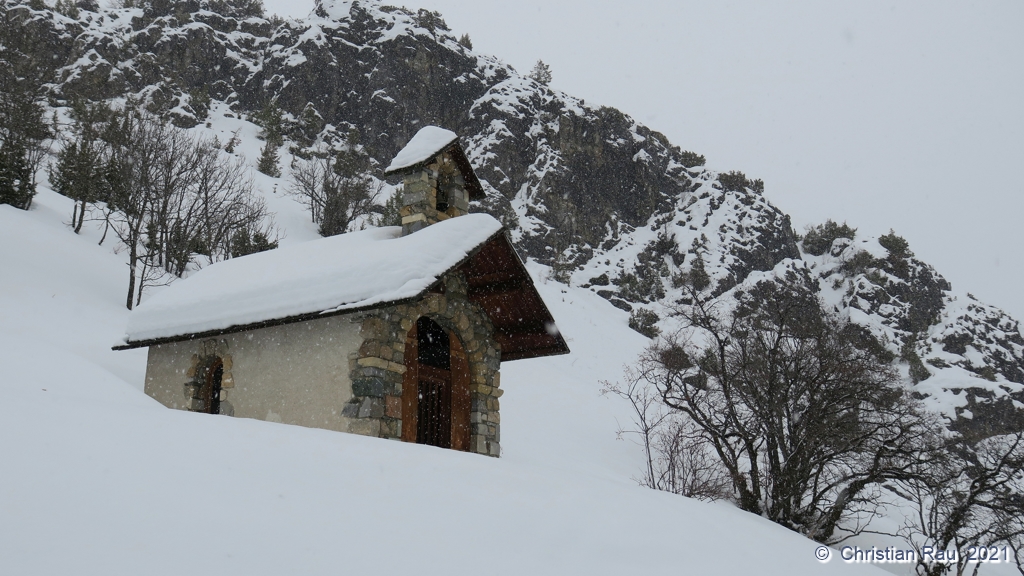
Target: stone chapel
<point>396,332</point>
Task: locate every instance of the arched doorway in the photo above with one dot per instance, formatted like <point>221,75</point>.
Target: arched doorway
<point>435,390</point>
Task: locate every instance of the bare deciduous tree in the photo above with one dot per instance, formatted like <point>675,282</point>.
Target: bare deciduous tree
<point>676,451</point>
<point>966,496</point>
<point>648,417</point>
<point>171,197</point>
<point>337,189</point>
<point>806,423</point>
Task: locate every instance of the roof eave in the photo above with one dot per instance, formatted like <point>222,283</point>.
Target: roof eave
<point>234,329</point>
<point>535,354</point>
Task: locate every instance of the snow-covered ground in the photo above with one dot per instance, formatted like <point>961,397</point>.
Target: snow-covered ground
<point>99,479</point>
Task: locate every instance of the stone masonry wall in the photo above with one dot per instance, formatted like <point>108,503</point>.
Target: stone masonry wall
<point>422,188</point>
<point>377,368</point>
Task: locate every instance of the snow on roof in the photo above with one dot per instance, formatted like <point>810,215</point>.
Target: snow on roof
<point>424,145</point>
<point>347,271</point>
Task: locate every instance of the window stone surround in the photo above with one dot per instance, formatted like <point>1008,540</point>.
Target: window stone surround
<point>210,350</point>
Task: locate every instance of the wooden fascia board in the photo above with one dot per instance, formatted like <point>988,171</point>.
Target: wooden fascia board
<point>535,353</point>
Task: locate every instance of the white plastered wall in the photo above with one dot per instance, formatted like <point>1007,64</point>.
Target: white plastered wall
<point>294,373</point>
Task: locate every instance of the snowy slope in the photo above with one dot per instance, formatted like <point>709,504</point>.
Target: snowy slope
<point>123,485</point>
<point>99,479</point>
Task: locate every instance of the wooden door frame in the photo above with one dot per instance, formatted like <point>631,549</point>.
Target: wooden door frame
<point>461,404</point>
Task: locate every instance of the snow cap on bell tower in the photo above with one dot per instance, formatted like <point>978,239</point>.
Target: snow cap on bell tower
<point>438,181</point>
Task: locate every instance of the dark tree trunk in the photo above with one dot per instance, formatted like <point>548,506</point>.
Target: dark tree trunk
<point>133,261</point>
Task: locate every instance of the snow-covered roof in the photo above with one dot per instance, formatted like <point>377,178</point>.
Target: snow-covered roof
<point>344,272</point>
<point>424,145</point>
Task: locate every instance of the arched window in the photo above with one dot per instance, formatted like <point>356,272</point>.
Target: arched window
<point>206,386</point>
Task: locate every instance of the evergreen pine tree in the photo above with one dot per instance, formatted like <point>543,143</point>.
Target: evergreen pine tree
<point>699,277</point>
<point>67,8</point>
<point>390,214</point>
<point>465,42</point>
<point>541,73</point>
<point>79,176</point>
<point>269,160</point>
<point>244,242</point>
<point>310,124</point>
<point>232,142</point>
<point>271,121</point>
<point>62,176</point>
<point>16,186</point>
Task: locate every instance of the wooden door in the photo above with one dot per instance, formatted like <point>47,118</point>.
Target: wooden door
<point>434,409</point>
<point>435,389</point>
<point>410,386</point>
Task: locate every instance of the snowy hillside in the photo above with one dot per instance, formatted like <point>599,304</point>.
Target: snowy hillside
<point>100,479</point>
<point>612,219</point>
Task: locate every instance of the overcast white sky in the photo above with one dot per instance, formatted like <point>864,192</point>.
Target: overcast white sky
<point>887,115</point>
